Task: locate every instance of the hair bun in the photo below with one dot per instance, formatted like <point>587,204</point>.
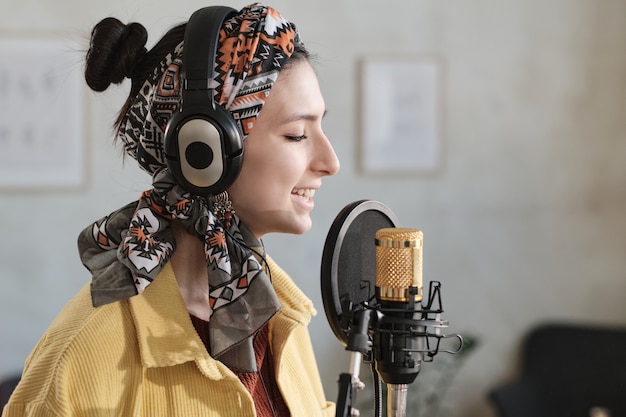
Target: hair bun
<point>114,50</point>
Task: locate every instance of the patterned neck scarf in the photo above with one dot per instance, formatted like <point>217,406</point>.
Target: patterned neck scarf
<point>126,250</point>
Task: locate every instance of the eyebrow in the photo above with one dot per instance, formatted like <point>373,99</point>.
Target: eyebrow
<point>302,116</point>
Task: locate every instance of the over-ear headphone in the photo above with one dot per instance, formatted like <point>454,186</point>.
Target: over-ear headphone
<point>203,145</point>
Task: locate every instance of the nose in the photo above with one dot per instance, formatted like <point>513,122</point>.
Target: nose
<point>326,161</point>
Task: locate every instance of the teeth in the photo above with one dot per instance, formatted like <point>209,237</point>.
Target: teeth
<point>305,192</point>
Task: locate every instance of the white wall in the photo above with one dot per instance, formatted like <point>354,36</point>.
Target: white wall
<point>525,222</point>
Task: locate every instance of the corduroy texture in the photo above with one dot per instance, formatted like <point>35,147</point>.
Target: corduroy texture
<point>268,401</point>
<point>142,357</point>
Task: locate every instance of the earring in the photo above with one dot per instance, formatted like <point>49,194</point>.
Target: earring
<point>223,208</point>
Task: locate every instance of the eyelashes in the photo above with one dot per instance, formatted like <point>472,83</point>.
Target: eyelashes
<point>296,138</point>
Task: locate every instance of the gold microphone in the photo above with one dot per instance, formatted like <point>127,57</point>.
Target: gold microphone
<point>397,352</point>
<point>399,264</point>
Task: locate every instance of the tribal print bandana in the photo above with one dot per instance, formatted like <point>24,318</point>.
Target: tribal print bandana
<point>126,250</point>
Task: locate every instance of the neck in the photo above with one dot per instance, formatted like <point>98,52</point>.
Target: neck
<point>190,269</point>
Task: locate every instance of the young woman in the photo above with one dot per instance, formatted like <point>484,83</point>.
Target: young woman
<point>186,315</point>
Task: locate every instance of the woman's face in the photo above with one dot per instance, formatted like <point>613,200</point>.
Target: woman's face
<point>286,155</point>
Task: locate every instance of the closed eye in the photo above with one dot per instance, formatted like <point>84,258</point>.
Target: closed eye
<point>296,138</point>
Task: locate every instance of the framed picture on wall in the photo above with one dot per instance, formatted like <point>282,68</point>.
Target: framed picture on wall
<point>400,115</point>
<point>42,107</point>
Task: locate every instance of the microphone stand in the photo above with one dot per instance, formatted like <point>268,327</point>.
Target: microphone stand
<point>358,344</point>
<point>396,400</point>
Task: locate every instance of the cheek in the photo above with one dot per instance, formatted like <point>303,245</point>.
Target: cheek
<point>283,165</point>
<point>256,180</point>
<point>268,177</point>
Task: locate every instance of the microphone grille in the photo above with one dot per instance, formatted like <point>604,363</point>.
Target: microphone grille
<point>398,263</point>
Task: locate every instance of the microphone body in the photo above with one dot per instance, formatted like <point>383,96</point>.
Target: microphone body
<point>398,336</point>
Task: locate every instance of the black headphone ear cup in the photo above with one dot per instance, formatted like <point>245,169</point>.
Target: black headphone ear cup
<point>202,143</point>
<point>203,151</point>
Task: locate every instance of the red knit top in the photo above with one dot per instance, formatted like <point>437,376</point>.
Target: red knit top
<point>268,400</point>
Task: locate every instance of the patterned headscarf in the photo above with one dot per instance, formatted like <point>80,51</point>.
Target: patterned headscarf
<point>126,250</point>
<point>253,46</point>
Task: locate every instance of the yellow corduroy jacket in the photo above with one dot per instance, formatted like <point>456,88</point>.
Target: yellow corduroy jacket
<point>142,357</point>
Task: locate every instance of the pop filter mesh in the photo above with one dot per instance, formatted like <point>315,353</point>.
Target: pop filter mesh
<point>348,272</point>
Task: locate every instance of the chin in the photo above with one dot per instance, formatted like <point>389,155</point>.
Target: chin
<point>299,229</point>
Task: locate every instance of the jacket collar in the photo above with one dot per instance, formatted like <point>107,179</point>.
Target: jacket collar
<point>166,335</point>
<point>294,303</point>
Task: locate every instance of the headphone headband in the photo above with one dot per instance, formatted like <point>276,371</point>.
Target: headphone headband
<point>199,53</point>
<point>203,145</point>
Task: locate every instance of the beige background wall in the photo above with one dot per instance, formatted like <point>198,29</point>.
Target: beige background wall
<point>525,222</point>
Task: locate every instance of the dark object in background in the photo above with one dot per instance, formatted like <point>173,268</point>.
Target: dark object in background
<point>567,370</point>
<point>6,389</point>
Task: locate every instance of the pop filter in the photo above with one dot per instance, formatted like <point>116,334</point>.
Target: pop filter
<point>348,273</point>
